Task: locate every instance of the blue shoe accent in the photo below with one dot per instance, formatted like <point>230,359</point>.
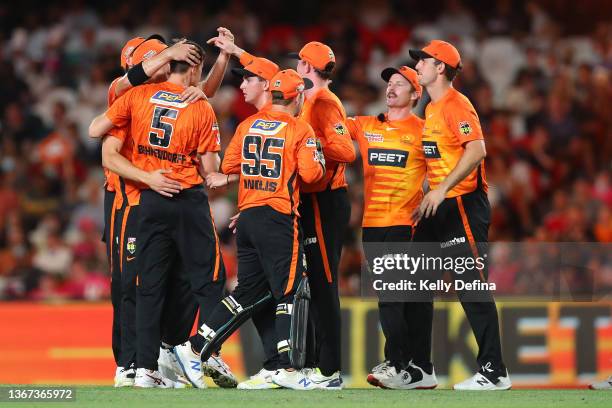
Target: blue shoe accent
<point>196,365</point>
<point>335,383</point>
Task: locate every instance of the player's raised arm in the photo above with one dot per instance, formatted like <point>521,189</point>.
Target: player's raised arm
<point>335,137</point>
<point>311,162</point>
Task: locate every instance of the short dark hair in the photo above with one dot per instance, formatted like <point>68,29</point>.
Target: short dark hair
<point>180,67</point>
<point>279,99</point>
<point>449,72</point>
<point>326,73</point>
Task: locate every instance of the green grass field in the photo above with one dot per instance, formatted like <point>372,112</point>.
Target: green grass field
<point>214,397</point>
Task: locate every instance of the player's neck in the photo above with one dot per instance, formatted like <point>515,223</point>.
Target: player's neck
<point>284,109</point>
<point>318,84</point>
<point>179,79</point>
<point>438,89</point>
<point>399,113</point>
<point>262,101</point>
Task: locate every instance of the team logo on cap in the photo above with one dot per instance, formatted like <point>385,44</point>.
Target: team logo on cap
<point>331,54</point>
<point>277,83</point>
<point>465,128</point>
<point>131,245</point>
<point>149,54</point>
<point>340,129</point>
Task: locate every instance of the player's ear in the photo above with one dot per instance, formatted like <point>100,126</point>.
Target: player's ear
<point>266,85</point>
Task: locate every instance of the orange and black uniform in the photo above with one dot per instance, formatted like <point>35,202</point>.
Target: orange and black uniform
<point>461,223</point>
<point>169,134</point>
<point>326,210</point>
<point>270,150</point>
<point>394,172</point>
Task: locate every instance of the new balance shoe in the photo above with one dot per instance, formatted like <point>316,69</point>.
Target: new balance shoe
<point>295,380</point>
<point>220,372</point>
<point>324,382</point>
<point>190,364</point>
<point>479,382</point>
<point>151,379</point>
<point>124,377</point>
<point>260,381</point>
<point>602,385</point>
<point>372,380</point>
<point>412,378</point>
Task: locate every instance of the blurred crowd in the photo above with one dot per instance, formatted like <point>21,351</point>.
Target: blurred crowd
<point>543,93</point>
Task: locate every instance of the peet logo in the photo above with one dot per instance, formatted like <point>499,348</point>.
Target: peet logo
<point>387,157</point>
<point>431,150</point>
<point>168,98</point>
<point>267,127</point>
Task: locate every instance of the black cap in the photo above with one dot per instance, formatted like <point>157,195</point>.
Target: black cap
<point>156,37</point>
<point>241,72</point>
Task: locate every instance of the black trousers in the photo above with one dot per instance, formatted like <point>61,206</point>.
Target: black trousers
<point>325,217</point>
<point>461,229</point>
<point>170,228</point>
<point>270,259</point>
<point>109,238</point>
<point>406,325</point>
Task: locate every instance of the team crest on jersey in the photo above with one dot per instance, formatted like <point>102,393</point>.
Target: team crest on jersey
<point>131,245</point>
<point>267,127</point>
<point>374,137</point>
<point>407,139</point>
<point>168,99</point>
<point>465,128</point>
<point>340,129</point>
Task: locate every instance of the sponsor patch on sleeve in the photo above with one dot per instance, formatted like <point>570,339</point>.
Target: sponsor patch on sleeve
<point>340,129</point>
<point>465,128</point>
<point>311,142</point>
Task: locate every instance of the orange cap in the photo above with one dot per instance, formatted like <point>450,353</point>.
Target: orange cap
<point>260,67</point>
<point>147,49</point>
<point>316,54</point>
<point>128,50</point>
<point>407,72</point>
<point>289,83</point>
<point>440,50</point>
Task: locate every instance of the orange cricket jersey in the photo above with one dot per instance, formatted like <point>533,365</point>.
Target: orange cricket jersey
<point>325,113</point>
<point>167,133</point>
<point>270,150</point>
<point>393,168</point>
<point>449,124</point>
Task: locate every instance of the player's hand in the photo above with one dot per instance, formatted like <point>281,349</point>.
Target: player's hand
<point>226,46</point>
<point>193,94</point>
<point>430,203</point>
<point>225,33</point>
<point>233,222</point>
<point>184,52</point>
<point>214,180</point>
<point>163,185</point>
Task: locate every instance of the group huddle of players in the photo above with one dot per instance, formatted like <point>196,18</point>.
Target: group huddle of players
<point>160,151</point>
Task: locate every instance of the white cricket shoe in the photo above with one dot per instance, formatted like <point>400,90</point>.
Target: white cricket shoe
<point>602,385</point>
<point>124,377</point>
<point>295,380</point>
<point>220,372</point>
<point>190,364</point>
<point>170,368</point>
<point>260,381</point>
<point>479,382</point>
<point>324,382</point>
<point>372,380</point>
<point>151,379</point>
<point>412,378</point>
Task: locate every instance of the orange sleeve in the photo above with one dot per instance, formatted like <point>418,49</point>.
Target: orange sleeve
<point>209,139</point>
<point>121,110</point>
<point>119,132</point>
<point>232,157</point>
<point>335,137</point>
<point>462,120</point>
<point>310,167</point>
<point>354,127</point>
<point>246,59</point>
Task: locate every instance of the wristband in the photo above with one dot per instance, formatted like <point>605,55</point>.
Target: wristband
<point>227,183</point>
<point>136,75</point>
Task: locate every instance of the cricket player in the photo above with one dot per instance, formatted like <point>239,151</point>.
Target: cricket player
<point>172,141</point>
<point>455,213</point>
<point>325,210</point>
<point>394,172</point>
<point>270,150</point>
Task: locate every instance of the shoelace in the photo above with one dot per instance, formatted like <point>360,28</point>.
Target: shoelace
<point>380,366</point>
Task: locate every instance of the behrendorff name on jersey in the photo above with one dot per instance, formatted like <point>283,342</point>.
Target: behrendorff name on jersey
<point>433,285</point>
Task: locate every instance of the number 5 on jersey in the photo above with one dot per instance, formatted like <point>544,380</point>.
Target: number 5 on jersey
<point>161,130</point>
<point>260,159</point>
